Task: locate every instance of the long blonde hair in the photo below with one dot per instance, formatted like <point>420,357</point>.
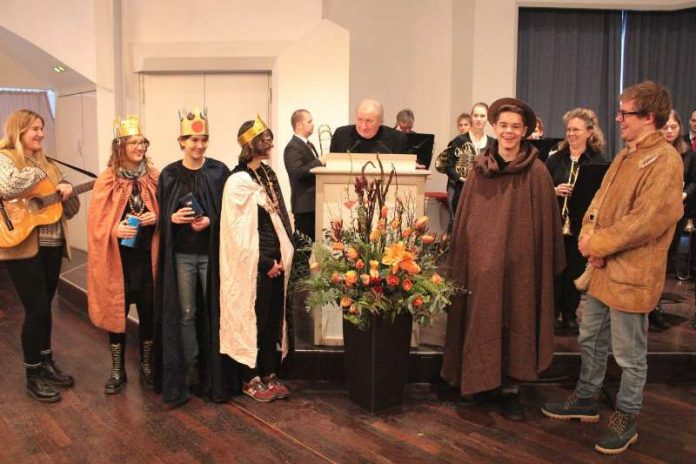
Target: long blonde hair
<point>16,125</point>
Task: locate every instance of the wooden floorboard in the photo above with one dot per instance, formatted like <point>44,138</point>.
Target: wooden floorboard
<point>318,424</point>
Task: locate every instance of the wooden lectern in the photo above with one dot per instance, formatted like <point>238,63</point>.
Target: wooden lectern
<point>335,186</point>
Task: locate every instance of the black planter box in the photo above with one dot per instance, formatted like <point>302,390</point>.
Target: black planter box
<point>377,362</point>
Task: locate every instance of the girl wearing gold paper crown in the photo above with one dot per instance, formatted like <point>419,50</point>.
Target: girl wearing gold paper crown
<point>187,306</point>
<point>122,228</point>
<point>34,263</point>
<point>256,257</point>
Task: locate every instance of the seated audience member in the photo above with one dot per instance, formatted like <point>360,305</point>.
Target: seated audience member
<point>404,121</point>
<point>538,130</point>
<point>672,131</point>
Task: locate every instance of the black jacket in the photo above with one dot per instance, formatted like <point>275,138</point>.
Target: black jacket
<point>299,159</point>
<point>558,165</point>
<point>387,140</point>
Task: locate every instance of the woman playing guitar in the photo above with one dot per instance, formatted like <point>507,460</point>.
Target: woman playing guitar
<point>34,264</point>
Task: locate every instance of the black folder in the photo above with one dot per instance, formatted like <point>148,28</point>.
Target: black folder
<point>421,145</point>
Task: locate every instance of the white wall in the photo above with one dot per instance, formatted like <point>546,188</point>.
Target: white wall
<point>64,29</point>
<point>12,74</point>
<point>312,74</point>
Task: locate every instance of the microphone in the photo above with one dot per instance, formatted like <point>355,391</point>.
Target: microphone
<point>350,150</point>
<point>386,150</point>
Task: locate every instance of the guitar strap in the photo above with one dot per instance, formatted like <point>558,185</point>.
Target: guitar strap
<point>5,217</point>
<point>80,170</point>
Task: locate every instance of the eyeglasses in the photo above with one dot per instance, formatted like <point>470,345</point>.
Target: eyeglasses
<point>621,114</point>
<point>138,143</point>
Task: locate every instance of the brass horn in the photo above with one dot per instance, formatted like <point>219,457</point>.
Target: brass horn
<point>325,135</point>
<point>565,213</point>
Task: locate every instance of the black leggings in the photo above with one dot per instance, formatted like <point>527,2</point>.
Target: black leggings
<point>144,303</point>
<point>269,325</point>
<point>35,280</point>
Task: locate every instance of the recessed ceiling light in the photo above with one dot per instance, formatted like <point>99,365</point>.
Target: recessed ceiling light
<point>58,68</point>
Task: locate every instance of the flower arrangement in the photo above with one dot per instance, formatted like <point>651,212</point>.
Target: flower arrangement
<point>382,263</point>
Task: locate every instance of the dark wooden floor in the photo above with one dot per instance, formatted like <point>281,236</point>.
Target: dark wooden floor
<point>318,424</point>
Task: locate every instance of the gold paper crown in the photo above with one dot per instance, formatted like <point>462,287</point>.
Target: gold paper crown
<point>130,125</point>
<point>258,128</point>
<point>193,122</point>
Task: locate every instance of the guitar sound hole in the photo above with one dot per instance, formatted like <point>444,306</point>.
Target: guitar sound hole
<point>34,205</point>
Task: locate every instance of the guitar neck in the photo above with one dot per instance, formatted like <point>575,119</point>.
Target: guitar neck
<point>57,198</point>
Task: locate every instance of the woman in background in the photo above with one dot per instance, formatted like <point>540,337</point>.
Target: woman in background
<point>582,145</point>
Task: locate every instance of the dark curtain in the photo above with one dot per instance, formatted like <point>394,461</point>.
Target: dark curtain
<point>568,59</point>
<point>660,46</point>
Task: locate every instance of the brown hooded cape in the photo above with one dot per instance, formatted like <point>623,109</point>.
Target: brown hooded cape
<point>506,248</point>
<point>105,285</point>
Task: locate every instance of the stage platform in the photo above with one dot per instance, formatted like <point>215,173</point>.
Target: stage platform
<point>671,354</point>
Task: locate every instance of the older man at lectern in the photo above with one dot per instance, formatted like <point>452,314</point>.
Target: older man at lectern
<point>368,135</point>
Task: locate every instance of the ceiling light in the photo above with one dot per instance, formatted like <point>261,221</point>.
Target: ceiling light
<point>58,68</point>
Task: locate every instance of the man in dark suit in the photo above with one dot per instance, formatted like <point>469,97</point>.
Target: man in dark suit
<point>368,135</point>
<point>690,137</point>
<point>300,157</point>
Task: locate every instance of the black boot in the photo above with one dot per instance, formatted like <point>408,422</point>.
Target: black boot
<point>52,374</point>
<point>118,370</point>
<point>38,388</point>
<point>656,320</point>
<point>146,362</point>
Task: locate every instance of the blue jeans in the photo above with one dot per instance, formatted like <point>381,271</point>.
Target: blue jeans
<point>626,334</point>
<point>191,270</point>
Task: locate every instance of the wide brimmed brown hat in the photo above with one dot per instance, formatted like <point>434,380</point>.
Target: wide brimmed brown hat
<point>529,116</point>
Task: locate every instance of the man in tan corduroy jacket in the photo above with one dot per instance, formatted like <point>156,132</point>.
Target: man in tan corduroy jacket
<point>625,236</point>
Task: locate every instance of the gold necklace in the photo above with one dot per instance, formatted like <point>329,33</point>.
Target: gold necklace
<point>271,205</point>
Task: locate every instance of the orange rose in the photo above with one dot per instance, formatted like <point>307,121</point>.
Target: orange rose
<point>337,246</point>
<point>436,279</point>
<point>407,232</point>
<point>350,277</point>
<point>352,254</point>
<point>365,279</point>
<point>421,222</point>
<point>353,309</point>
<point>393,280</point>
<point>407,285</point>
<point>375,235</point>
<point>359,264</point>
<point>384,212</point>
<point>335,278</point>
<point>417,301</point>
<point>427,239</point>
<point>346,301</point>
<point>395,224</point>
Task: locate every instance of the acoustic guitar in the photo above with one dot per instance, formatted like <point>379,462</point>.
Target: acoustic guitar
<point>39,206</point>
